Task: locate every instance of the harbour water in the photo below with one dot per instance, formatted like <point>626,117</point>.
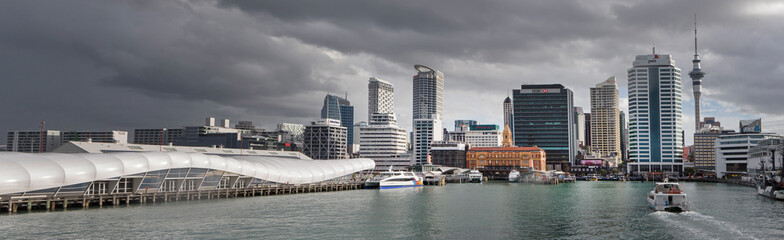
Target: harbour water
<point>495,210</point>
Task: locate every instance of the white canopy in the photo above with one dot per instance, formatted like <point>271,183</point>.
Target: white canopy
<point>23,172</point>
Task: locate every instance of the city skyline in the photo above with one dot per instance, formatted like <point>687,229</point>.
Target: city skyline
<point>93,72</point>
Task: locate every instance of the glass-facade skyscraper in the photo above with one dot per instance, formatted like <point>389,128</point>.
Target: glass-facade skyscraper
<point>543,117</point>
<point>655,115</point>
<point>339,108</point>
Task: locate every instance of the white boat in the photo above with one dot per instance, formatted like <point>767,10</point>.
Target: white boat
<point>514,176</point>
<point>475,175</point>
<point>667,196</point>
<point>391,179</point>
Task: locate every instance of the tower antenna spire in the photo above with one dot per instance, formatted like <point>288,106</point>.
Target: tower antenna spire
<point>695,34</point>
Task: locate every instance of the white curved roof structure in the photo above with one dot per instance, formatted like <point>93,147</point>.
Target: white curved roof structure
<point>24,172</point>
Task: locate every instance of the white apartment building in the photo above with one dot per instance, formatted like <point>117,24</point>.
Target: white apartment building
<point>484,135</point>
<point>381,97</point>
<point>31,141</point>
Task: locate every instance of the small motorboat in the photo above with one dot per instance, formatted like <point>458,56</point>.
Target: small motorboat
<point>667,196</point>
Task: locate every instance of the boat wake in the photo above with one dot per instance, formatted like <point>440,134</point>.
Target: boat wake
<point>702,226</point>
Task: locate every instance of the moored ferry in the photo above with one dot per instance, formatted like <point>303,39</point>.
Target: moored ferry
<point>390,179</point>
<point>514,176</point>
<point>475,175</point>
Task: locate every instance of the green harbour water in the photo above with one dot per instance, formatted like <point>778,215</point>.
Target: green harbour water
<point>494,210</point>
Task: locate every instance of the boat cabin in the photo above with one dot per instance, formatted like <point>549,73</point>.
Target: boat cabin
<point>667,188</point>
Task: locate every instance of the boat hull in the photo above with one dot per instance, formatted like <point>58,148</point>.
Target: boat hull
<point>668,202</point>
<point>390,184</point>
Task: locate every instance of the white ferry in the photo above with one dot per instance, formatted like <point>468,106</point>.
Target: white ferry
<point>391,179</point>
<point>667,196</point>
<point>514,176</point>
<point>475,175</point>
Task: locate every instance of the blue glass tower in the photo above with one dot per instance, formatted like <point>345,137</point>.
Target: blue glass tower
<point>340,108</point>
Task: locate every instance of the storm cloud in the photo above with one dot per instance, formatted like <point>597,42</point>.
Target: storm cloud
<point>98,65</point>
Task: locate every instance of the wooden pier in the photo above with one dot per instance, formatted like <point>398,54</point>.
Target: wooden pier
<point>13,204</point>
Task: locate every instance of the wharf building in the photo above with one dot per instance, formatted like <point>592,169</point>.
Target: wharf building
<point>381,97</point>
<point>544,117</point>
<point>497,162</point>
<point>765,157</point>
<point>325,139</point>
<point>100,137</point>
<point>428,111</point>
<point>112,170</point>
<point>385,142</point>
<point>655,115</point>
<point>447,153</point>
<point>339,108</point>
<point>732,153</point>
<point>483,135</point>
<point>33,141</point>
<point>605,120</point>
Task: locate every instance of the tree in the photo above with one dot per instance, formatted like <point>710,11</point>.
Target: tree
<point>690,170</point>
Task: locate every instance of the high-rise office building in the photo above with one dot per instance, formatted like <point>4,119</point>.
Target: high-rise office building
<point>587,129</point>
<point>381,97</point>
<point>605,120</point>
<point>624,137</point>
<point>655,115</point>
<point>339,108</point>
<point>467,123</point>
<point>579,121</point>
<point>508,112</point>
<point>33,141</point>
<point>544,117</point>
<point>704,149</point>
<point>428,110</point>
<point>325,139</point>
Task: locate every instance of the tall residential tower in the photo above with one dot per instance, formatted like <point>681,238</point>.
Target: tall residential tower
<point>605,120</point>
<point>655,114</point>
<point>428,110</point>
<point>381,97</point>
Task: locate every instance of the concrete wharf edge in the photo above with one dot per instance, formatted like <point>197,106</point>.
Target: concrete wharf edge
<point>28,203</point>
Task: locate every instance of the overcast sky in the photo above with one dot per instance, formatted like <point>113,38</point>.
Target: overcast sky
<point>100,65</point>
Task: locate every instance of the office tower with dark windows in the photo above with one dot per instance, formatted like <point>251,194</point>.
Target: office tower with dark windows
<point>544,117</point>
<point>655,115</point>
<point>339,108</point>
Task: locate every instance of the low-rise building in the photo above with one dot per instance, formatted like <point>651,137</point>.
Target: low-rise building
<point>499,161</point>
<point>33,141</point>
<point>99,137</point>
<point>450,154</point>
<point>483,135</point>
<point>732,153</point>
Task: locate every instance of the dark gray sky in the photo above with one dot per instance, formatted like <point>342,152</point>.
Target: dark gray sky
<point>100,65</point>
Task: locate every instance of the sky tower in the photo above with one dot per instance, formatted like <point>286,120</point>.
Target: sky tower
<point>696,75</point>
